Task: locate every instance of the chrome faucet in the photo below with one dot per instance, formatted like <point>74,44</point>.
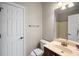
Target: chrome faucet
<point>64,43</point>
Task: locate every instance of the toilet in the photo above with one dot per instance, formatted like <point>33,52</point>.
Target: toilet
<point>39,51</point>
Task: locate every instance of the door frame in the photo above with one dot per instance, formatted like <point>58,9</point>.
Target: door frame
<point>17,5</point>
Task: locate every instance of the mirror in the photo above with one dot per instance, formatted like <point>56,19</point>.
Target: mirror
<point>67,22</point>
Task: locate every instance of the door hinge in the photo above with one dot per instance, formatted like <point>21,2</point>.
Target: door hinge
<point>0,36</point>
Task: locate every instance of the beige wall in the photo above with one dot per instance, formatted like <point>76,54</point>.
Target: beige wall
<point>62,29</point>
<point>48,28</point>
<point>32,35</point>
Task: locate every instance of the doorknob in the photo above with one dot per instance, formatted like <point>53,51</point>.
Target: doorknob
<point>21,37</point>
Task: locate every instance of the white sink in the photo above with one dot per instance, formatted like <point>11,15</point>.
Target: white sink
<point>64,49</point>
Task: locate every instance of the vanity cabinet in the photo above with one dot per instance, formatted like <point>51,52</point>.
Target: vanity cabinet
<point>48,52</point>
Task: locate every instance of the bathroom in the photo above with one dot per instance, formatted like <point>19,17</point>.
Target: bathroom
<point>43,24</point>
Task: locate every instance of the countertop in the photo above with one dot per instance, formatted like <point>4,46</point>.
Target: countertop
<point>68,51</point>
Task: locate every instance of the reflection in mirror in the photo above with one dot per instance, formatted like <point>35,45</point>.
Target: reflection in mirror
<point>67,22</point>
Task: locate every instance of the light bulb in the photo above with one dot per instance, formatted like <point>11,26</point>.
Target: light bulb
<point>63,7</point>
<point>59,4</point>
<point>71,5</point>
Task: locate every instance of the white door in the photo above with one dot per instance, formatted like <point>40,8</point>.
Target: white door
<point>12,30</point>
<point>72,27</point>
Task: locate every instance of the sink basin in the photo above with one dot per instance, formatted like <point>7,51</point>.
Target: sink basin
<point>64,49</point>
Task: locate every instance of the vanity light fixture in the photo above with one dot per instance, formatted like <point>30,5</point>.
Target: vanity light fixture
<point>64,5</point>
